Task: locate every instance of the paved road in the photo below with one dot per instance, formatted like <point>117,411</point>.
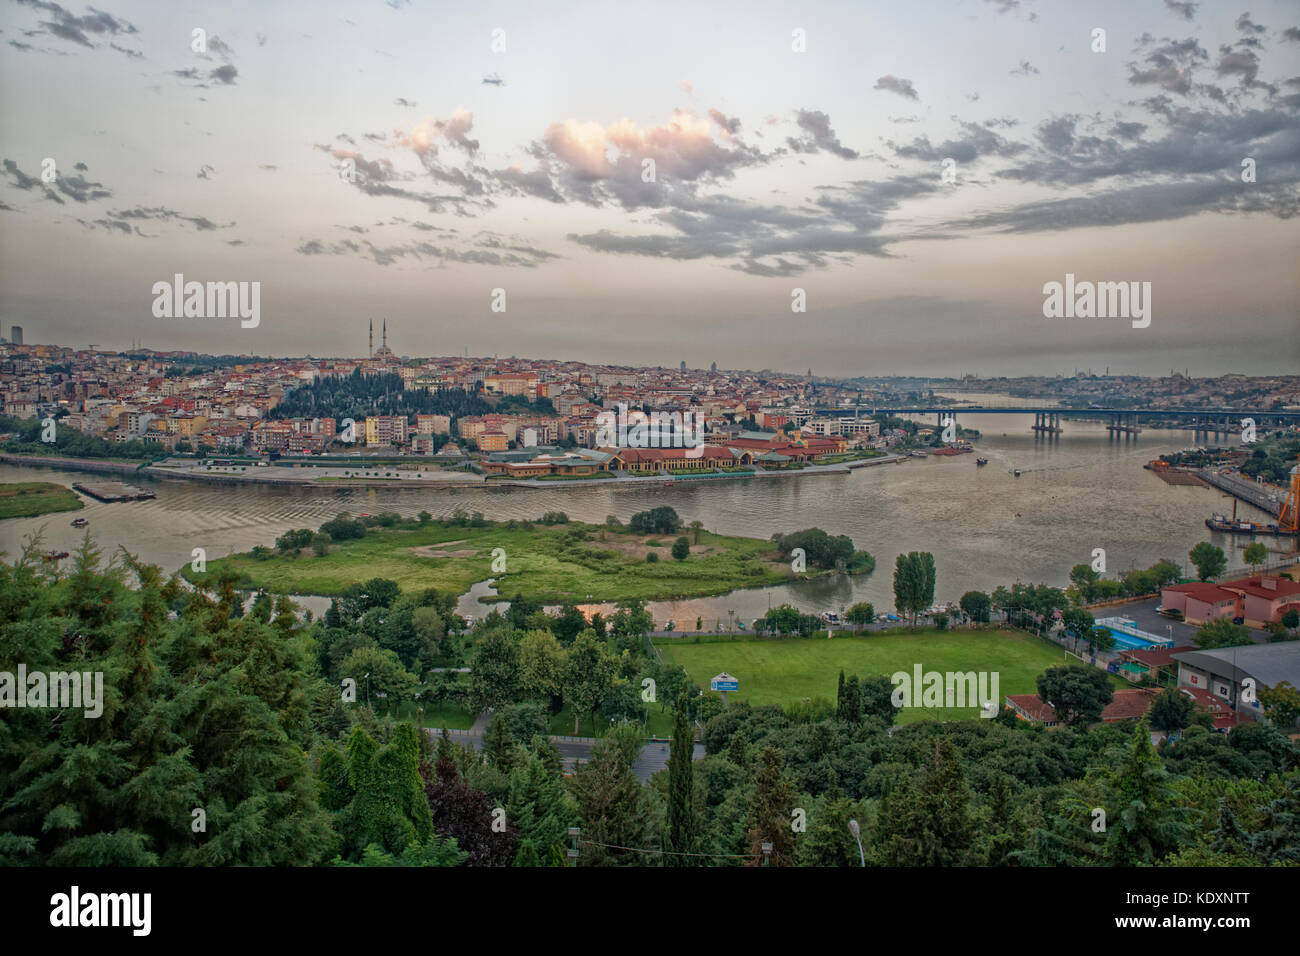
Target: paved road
<point>575,750</point>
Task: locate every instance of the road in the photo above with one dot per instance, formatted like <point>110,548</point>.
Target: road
<point>652,758</point>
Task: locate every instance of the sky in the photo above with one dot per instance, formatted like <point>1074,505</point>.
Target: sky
<point>652,183</point>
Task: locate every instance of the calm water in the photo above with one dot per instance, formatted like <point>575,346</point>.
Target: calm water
<point>984,526</point>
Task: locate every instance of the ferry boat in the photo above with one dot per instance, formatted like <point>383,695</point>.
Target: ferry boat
<point>79,522</point>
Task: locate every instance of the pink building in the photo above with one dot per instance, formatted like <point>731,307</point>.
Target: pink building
<point>1260,600</point>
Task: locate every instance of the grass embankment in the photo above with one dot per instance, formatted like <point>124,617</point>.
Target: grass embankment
<point>551,564</point>
<point>785,670</point>
<point>25,499</point>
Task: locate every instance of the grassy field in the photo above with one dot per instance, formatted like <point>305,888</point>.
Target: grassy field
<point>25,499</point>
<point>782,671</point>
<point>545,563</point>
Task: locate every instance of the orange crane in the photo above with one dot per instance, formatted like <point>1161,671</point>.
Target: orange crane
<point>1288,518</point>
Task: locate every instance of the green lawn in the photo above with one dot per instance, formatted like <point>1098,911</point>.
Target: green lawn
<point>541,562</point>
<point>782,671</point>
<point>24,499</point>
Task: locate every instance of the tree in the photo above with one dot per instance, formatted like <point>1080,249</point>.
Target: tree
<point>770,813</point>
<point>541,666</point>
<point>927,823</point>
<point>379,796</point>
<point>861,614</point>
<point>680,835</point>
<point>1078,624</point>
<point>976,606</point>
<point>1145,823</point>
<point>1084,579</point>
<point>1209,560</point>
<point>1281,703</point>
<point>662,520</point>
<point>681,548</point>
<point>1291,618</point>
<point>696,527</point>
<point>1221,632</point>
<point>1172,710</point>
<point>875,698</point>
<point>914,583</point>
<point>1078,693</point>
<point>587,677</point>
<point>611,805</point>
<point>569,624</point>
<point>494,671</point>
<point>1255,554</point>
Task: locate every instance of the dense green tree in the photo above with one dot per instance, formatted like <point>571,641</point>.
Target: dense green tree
<point>770,814</point>
<point>1077,692</point>
<point>1209,560</point>
<point>928,821</point>
<point>680,830</point>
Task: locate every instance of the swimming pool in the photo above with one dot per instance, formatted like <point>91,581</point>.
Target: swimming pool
<point>1128,636</point>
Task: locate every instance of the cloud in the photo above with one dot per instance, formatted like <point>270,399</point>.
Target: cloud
<point>488,249</point>
<point>818,135</point>
<point>67,26</point>
<point>894,84</point>
<point>1184,9</point>
<point>422,137</point>
<point>1024,69</point>
<point>403,101</point>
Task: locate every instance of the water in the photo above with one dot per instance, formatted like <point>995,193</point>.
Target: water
<point>984,525</point>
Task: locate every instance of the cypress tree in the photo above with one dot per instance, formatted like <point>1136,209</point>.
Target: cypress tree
<point>680,836</point>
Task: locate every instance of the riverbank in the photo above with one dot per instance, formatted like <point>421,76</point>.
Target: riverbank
<point>305,474</point>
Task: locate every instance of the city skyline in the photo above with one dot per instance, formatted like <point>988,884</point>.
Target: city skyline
<point>776,170</point>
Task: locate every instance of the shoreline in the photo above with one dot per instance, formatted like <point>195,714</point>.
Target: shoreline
<point>146,469</point>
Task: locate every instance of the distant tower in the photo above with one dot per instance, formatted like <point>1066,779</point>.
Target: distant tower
<point>385,344</point>
<point>683,365</point>
<point>372,339</point>
<point>16,334</point>
<point>713,367</point>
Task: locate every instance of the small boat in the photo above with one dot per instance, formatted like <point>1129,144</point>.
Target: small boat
<point>1016,472</point>
<point>981,461</point>
<point>79,522</point>
<point>919,454</point>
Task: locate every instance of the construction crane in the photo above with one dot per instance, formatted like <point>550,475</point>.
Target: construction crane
<point>1288,519</point>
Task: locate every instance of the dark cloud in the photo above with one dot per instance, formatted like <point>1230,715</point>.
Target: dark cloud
<point>489,250</point>
<point>1245,25</point>
<point>895,84</point>
<point>67,26</point>
<point>977,141</point>
<point>1184,9</point>
<point>818,135</point>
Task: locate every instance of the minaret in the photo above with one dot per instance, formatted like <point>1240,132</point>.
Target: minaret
<point>385,346</point>
<point>372,338</point>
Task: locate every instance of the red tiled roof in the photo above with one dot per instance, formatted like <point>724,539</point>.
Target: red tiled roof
<point>1160,657</point>
<point>1128,703</point>
<point>1222,714</point>
<point>1209,593</point>
<point>1255,587</point>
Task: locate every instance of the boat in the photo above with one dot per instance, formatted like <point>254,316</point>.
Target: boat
<point>919,454</point>
<point>981,461</point>
<point>79,522</point>
<point>830,617</point>
<point>1016,472</point>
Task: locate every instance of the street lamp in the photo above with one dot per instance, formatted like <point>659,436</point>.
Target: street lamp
<point>857,835</point>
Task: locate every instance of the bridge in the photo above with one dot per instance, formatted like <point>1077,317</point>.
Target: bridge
<point>1047,418</point>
